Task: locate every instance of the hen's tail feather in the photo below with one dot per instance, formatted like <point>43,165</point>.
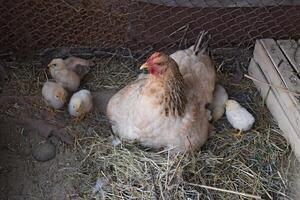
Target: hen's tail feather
<point>201,45</point>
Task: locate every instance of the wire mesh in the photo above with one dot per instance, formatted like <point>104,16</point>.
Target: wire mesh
<point>144,26</point>
<point>28,26</point>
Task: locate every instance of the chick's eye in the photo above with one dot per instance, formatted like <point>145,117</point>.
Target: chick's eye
<point>54,65</point>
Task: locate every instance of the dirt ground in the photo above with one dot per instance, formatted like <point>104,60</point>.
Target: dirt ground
<point>25,125</point>
<point>24,178</point>
<point>73,172</point>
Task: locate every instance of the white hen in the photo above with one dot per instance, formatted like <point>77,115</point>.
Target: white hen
<point>238,116</point>
<point>166,108</point>
<point>80,104</point>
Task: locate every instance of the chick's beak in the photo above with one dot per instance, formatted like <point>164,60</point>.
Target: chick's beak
<point>62,98</point>
<point>49,66</point>
<point>79,110</point>
<point>144,66</point>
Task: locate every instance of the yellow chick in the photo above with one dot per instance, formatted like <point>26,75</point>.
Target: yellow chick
<point>63,76</point>
<point>54,94</point>
<point>78,65</point>
<point>218,104</point>
<point>80,104</point>
<point>238,116</point>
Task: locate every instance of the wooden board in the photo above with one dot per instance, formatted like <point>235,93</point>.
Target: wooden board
<point>291,49</point>
<point>281,64</point>
<point>276,69</point>
<point>275,107</point>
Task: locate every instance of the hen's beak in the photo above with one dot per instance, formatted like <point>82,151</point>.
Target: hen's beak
<point>144,66</point>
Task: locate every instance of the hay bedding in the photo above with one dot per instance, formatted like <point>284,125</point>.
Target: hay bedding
<point>254,166</point>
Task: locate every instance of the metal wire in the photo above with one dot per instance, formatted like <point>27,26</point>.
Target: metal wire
<point>28,26</point>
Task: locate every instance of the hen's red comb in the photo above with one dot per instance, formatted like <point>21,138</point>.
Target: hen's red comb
<point>153,56</point>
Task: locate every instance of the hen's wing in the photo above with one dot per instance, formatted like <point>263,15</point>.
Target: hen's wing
<point>123,108</point>
<point>197,68</point>
<point>195,125</point>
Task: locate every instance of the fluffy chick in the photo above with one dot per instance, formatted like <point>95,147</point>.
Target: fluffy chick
<point>218,104</point>
<point>63,76</point>
<point>80,104</point>
<point>54,94</point>
<point>78,65</point>
<point>238,116</point>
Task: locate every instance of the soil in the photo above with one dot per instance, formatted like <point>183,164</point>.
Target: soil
<point>21,177</point>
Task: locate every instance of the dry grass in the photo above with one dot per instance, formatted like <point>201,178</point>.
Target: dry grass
<point>253,166</point>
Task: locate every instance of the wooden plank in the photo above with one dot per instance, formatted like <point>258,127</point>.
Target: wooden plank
<point>278,67</point>
<point>282,65</point>
<point>291,49</point>
<point>276,109</point>
<point>288,101</point>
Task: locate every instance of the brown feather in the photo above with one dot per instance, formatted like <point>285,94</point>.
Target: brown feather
<point>175,99</point>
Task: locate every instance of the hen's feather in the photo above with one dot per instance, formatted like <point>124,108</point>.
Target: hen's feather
<point>197,68</point>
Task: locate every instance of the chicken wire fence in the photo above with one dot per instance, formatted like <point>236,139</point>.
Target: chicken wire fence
<point>142,25</point>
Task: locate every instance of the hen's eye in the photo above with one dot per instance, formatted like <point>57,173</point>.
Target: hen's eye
<point>159,64</point>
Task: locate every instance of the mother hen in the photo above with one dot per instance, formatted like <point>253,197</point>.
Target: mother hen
<point>167,107</point>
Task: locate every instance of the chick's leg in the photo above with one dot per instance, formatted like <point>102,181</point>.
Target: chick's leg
<point>239,134</point>
<point>79,118</point>
<point>51,111</point>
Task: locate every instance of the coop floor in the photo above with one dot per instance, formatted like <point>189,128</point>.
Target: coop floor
<point>259,163</point>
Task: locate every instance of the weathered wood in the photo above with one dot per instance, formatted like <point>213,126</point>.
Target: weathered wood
<point>291,49</point>
<point>282,65</point>
<point>275,107</point>
<point>266,55</point>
